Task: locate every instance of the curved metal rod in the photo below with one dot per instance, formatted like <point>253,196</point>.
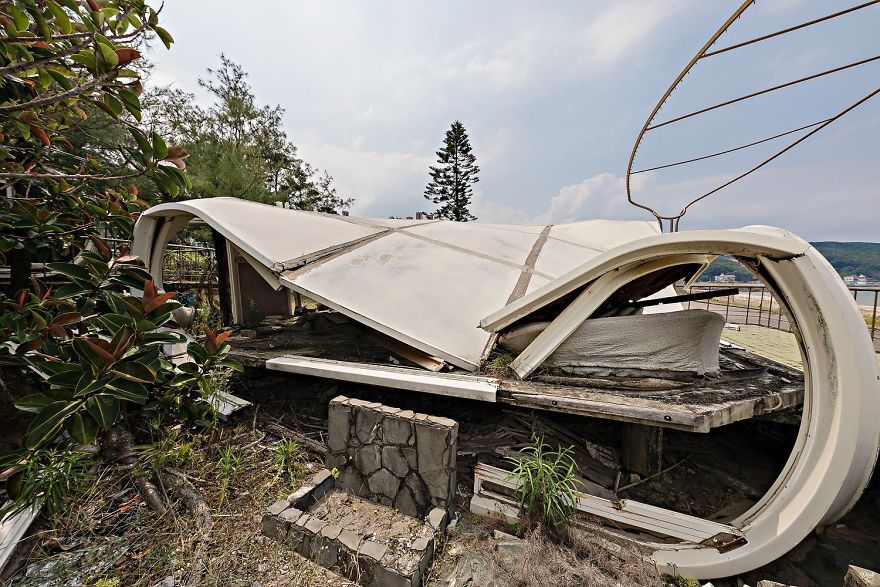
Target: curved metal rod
<point>791,28</point>
<point>704,52</point>
<point>765,91</point>
<point>778,153</point>
<point>726,151</point>
<point>727,24</point>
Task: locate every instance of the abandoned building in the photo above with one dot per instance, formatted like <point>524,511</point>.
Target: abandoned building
<point>594,328</point>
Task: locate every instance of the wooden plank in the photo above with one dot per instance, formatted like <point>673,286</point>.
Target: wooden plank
<point>12,529</point>
<point>631,513</point>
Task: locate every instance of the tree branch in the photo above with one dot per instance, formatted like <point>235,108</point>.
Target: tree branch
<point>28,64</point>
<point>48,100</point>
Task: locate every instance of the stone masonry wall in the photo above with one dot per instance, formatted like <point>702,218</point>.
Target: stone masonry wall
<point>395,457</point>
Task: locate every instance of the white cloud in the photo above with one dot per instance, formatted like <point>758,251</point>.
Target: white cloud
<point>383,184</point>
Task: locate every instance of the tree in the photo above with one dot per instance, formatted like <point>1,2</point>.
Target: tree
<point>456,172</point>
<point>238,148</point>
<point>88,346</point>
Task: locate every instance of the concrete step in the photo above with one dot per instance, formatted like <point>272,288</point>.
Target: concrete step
<point>367,542</point>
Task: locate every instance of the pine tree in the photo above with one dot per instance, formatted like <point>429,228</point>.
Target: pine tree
<point>456,172</point>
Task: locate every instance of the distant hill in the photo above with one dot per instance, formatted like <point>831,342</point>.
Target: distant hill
<point>847,258</point>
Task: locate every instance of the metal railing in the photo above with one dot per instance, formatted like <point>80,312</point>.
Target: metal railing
<point>755,304</point>
<point>184,266</point>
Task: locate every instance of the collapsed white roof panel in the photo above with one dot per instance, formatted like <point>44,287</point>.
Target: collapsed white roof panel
<point>268,233</point>
<point>507,245</point>
<point>429,296</point>
<point>424,282</point>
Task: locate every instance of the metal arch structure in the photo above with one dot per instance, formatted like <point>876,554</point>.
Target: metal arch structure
<point>706,51</point>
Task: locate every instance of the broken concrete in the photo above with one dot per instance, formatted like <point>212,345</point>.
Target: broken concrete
<point>372,544</point>
<point>395,457</point>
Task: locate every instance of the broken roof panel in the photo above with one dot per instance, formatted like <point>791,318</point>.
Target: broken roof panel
<point>426,283</point>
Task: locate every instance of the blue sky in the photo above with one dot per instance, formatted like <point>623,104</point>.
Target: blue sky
<point>553,95</point>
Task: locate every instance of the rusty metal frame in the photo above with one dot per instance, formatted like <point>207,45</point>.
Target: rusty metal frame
<point>672,222</point>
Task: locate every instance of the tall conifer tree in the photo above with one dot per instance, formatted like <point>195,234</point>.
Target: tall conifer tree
<point>452,178</point>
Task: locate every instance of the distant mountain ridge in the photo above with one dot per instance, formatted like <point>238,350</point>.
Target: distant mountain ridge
<point>848,258</point>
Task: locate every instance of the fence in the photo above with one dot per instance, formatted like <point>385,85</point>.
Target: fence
<point>755,304</point>
<point>184,266</point>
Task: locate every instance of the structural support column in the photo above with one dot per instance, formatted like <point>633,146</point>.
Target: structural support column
<point>642,449</point>
<point>222,277</point>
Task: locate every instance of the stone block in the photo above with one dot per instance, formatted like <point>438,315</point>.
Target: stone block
<point>274,527</point>
<point>278,507</point>
<point>859,577</point>
<point>384,483</point>
<point>290,515</point>
<point>373,550</point>
<point>405,503</point>
<point>437,518</point>
<point>394,461</point>
<point>367,423</point>
<point>338,425</point>
<point>368,459</point>
<point>299,498</point>
<point>396,430</point>
<point>349,540</point>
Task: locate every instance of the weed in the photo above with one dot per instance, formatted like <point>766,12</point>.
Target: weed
<point>289,458</point>
<point>169,451</point>
<point>229,465</point>
<point>53,477</point>
<point>547,481</point>
<point>677,581</point>
<point>499,365</point>
<point>107,582</point>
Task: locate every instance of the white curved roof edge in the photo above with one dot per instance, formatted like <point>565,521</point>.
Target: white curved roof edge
<point>777,242</point>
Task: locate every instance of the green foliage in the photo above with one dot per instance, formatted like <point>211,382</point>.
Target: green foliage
<point>52,478</point>
<point>852,258</point>
<point>678,581</point>
<point>452,180</point>
<point>108,582</point>
<point>237,147</point>
<point>547,481</point>
<point>170,450</point>
<point>499,364</point>
<point>230,462</point>
<point>93,342</point>
<point>846,258</point>
<point>289,458</point>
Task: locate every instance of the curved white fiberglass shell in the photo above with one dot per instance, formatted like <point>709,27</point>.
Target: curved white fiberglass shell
<point>424,282</point>
<point>837,445</point>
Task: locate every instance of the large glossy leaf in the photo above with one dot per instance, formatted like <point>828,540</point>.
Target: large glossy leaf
<point>82,428</point>
<point>135,371</point>
<point>104,409</point>
<point>71,270</point>
<point>93,353</point>
<point>128,391</point>
<point>47,423</point>
<point>34,402</point>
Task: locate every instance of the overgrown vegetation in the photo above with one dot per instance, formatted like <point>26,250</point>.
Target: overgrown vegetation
<point>548,485</point>
<point>89,345</point>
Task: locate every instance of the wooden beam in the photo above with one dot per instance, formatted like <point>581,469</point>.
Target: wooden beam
<point>642,449</point>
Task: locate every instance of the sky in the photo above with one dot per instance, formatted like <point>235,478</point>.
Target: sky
<point>553,96</point>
